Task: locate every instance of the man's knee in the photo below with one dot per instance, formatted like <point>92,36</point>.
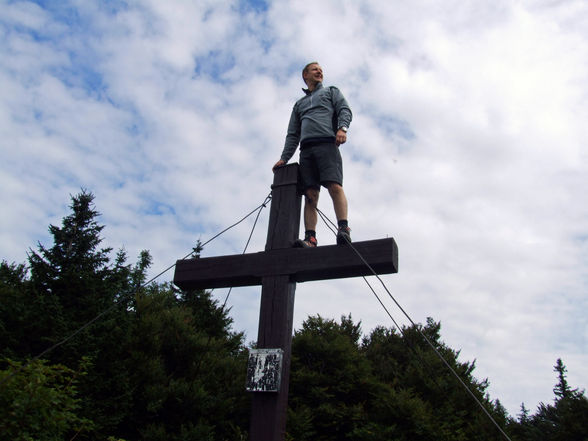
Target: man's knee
<point>334,188</point>
<point>312,195</point>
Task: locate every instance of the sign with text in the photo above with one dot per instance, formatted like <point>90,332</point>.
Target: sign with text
<point>264,370</point>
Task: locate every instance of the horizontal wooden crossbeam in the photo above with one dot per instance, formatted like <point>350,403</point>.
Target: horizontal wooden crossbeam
<point>301,264</point>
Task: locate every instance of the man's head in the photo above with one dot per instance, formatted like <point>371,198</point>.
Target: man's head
<point>312,74</point>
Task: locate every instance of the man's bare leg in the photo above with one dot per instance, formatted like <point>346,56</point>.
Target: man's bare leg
<point>310,213</point>
<point>340,205</point>
<point>310,219</point>
<point>339,200</point>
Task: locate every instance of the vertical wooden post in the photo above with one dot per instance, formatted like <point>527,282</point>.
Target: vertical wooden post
<point>284,220</point>
<point>268,414</point>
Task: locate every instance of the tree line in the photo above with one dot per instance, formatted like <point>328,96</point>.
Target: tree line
<point>130,361</point>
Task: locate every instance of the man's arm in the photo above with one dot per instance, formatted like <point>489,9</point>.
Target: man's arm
<point>292,139</point>
<point>344,115</point>
<point>341,108</point>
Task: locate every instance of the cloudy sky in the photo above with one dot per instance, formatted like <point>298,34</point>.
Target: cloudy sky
<point>467,146</point>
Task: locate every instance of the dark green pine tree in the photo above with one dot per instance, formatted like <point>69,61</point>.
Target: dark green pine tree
<point>189,370</point>
<point>522,429</point>
<point>401,404</point>
<point>435,404</point>
<point>20,313</point>
<point>149,363</point>
<point>75,269</point>
<point>562,388</point>
<point>330,382</point>
<point>72,283</point>
<point>566,419</point>
<point>392,386</point>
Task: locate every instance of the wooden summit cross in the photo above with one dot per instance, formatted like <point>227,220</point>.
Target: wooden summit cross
<point>277,269</point>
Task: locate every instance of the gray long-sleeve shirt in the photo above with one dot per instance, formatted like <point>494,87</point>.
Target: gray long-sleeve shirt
<point>312,117</point>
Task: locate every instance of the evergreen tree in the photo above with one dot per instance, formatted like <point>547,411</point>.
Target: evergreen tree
<point>189,372</point>
<point>74,269</point>
<point>392,386</point>
<point>330,381</point>
<point>436,406</point>
<point>561,389</point>
<point>72,283</point>
<point>522,429</point>
<point>159,364</point>
<point>567,418</point>
<point>20,313</point>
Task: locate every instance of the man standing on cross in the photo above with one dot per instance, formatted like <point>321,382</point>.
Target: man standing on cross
<point>319,122</point>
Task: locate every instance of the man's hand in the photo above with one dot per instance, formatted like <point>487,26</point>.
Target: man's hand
<point>341,137</point>
<point>278,164</point>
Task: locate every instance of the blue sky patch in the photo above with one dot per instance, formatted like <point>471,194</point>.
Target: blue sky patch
<point>395,126</point>
<point>253,5</point>
<point>81,76</point>
<point>65,12</point>
<point>156,208</point>
<point>214,65</point>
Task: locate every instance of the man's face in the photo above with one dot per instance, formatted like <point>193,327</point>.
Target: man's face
<point>313,75</point>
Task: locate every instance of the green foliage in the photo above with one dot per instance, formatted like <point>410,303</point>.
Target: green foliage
<point>566,419</point>
<point>190,367</point>
<point>391,386</point>
<point>39,402</point>
<point>164,364</point>
<point>159,364</point>
<point>407,362</point>
<point>329,382</point>
<point>74,268</point>
<point>562,388</point>
<point>28,320</point>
